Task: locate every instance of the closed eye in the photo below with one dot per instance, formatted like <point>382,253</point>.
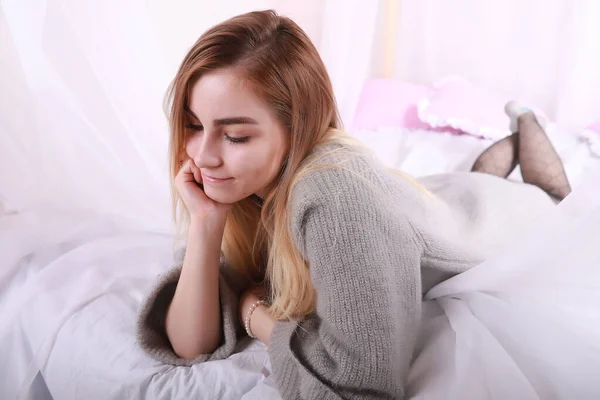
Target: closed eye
<point>237,139</point>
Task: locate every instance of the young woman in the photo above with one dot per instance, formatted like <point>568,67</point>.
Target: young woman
<point>297,236</point>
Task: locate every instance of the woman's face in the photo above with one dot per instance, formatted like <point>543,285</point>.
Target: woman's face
<point>235,138</point>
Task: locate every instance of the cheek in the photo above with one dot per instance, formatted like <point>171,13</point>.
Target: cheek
<point>271,158</point>
<point>259,163</point>
<point>191,147</point>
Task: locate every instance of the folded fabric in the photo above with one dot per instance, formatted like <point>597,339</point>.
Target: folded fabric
<point>591,135</point>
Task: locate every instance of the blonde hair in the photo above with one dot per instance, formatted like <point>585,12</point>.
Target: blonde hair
<point>277,57</point>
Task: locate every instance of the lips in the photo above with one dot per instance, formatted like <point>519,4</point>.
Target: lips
<point>212,179</point>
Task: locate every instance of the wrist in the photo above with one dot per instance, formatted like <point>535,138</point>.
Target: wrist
<point>206,229</point>
<point>249,313</point>
<point>203,244</point>
<point>262,324</point>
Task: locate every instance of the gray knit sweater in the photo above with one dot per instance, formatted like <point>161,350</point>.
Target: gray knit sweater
<point>375,243</point>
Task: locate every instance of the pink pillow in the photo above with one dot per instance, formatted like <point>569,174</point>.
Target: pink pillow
<point>389,103</point>
<point>594,127</point>
<point>459,104</point>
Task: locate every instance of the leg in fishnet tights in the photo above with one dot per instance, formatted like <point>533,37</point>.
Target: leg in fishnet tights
<point>499,159</point>
<point>540,164</point>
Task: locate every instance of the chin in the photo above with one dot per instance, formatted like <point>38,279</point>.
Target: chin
<point>222,197</point>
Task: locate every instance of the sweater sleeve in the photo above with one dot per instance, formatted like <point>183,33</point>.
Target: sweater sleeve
<point>365,267</point>
<point>151,332</point>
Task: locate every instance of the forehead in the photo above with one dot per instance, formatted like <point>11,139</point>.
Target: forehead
<point>223,93</point>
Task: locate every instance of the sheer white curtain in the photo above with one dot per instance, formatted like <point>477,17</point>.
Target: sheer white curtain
<point>542,50</point>
<point>82,123</point>
<point>348,38</point>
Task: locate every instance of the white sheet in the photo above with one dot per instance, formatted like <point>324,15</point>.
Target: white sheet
<point>82,278</point>
<point>78,278</point>
<point>524,324</point>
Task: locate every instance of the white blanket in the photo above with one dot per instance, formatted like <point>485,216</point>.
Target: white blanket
<point>71,283</point>
<point>77,282</point>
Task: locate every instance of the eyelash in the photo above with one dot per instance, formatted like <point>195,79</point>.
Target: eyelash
<point>230,139</point>
<point>233,140</point>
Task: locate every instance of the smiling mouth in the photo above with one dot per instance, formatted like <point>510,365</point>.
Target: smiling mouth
<point>212,179</point>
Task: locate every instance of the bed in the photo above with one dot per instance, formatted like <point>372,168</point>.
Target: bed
<point>77,280</point>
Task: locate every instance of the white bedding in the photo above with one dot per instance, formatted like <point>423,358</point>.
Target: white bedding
<point>80,278</point>
<point>83,277</point>
<point>422,152</point>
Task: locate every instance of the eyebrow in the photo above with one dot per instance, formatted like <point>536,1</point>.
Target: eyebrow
<point>226,121</point>
<point>235,121</point>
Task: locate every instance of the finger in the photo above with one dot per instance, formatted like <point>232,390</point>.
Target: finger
<point>185,173</point>
<point>182,160</point>
<point>196,171</point>
<point>184,166</point>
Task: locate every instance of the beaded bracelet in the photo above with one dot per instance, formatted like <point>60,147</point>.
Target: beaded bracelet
<point>249,314</point>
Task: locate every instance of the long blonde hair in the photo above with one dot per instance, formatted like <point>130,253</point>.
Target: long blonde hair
<point>278,58</point>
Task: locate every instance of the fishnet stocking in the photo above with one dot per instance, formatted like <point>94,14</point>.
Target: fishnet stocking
<point>499,159</point>
<point>540,164</point>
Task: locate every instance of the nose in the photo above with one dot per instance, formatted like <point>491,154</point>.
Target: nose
<point>203,151</point>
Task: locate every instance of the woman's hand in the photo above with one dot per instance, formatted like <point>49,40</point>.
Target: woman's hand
<point>261,322</point>
<point>188,183</point>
